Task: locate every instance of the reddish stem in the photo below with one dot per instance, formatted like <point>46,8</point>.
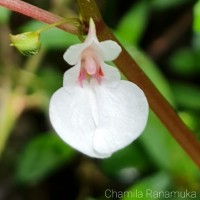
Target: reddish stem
<point>133,72</point>
<point>37,13</point>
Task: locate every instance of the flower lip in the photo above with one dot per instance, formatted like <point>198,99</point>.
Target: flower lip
<point>90,65</point>
<point>97,119</point>
<point>89,61</point>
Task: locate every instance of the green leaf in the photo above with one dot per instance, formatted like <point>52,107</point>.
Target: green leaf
<point>166,153</point>
<point>183,62</point>
<point>129,157</point>
<point>52,38</point>
<point>196,21</point>
<point>44,83</point>
<point>189,119</point>
<point>133,24</point>
<point>42,155</point>
<point>144,188</point>
<point>165,4</point>
<point>49,80</point>
<point>159,144</point>
<point>152,71</point>
<point>196,44</point>
<point>187,96</point>
<point>4,15</point>
<point>56,38</point>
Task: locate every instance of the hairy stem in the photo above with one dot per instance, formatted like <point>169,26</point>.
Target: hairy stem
<point>127,66</point>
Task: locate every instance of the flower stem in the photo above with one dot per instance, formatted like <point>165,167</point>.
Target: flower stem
<point>127,66</point>
<point>38,14</point>
<point>76,21</point>
<point>132,71</point>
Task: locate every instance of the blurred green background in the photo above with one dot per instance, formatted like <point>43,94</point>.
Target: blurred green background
<point>163,36</point>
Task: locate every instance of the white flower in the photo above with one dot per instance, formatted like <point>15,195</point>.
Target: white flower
<point>95,112</point>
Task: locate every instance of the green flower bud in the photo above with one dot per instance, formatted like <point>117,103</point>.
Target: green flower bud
<point>27,43</point>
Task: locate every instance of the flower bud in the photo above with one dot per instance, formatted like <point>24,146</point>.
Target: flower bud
<point>27,43</point>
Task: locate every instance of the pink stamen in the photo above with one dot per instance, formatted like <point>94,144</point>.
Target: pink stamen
<point>90,67</point>
<point>82,76</point>
<point>100,72</point>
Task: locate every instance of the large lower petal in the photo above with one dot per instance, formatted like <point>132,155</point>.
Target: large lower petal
<point>73,117</point>
<point>97,119</point>
<point>123,113</point>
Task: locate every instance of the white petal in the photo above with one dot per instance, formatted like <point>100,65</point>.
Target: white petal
<point>70,78</point>
<point>122,117</point>
<point>109,50</point>
<point>72,117</point>
<point>92,32</point>
<point>73,53</point>
<point>111,76</point>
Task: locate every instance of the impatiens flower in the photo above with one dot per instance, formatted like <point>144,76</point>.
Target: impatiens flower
<point>95,112</point>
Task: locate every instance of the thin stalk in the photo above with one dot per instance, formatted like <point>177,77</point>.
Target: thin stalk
<point>38,14</point>
<point>74,21</point>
